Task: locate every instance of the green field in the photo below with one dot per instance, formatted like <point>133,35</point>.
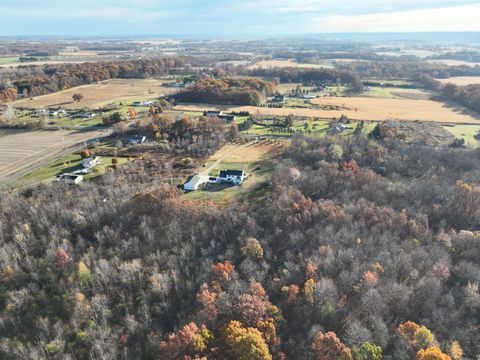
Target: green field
<point>8,60</point>
<point>66,164</point>
<point>466,132</point>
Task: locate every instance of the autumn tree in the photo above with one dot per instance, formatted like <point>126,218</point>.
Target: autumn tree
<point>367,351</point>
<point>77,97</point>
<point>327,346</point>
<point>244,343</point>
<point>432,353</point>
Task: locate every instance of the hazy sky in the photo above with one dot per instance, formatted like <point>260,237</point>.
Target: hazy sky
<point>232,17</point>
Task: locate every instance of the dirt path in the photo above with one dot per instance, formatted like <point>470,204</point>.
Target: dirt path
<point>225,153</point>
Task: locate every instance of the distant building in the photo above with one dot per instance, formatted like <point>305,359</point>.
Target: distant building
<point>309,96</point>
<point>220,115</point>
<point>195,182</point>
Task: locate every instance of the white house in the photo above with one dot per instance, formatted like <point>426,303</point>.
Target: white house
<point>71,179</point>
<point>195,182</point>
<point>235,177</point>
<point>91,162</point>
<point>309,96</point>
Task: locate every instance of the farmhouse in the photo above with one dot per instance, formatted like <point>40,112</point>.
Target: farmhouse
<point>195,182</point>
<point>91,162</point>
<point>235,177</point>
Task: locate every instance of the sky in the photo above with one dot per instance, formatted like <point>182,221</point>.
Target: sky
<point>231,17</point>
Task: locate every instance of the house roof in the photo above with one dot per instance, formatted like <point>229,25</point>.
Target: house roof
<point>196,180</point>
<point>225,173</point>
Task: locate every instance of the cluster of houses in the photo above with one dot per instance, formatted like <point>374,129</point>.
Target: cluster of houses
<point>235,177</point>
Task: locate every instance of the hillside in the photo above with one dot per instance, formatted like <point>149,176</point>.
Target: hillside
<point>357,248</point>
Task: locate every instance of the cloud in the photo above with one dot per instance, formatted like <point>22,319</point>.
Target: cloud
<point>456,18</point>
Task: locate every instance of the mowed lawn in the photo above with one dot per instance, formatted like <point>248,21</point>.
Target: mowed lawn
<point>362,108</point>
<point>97,95</point>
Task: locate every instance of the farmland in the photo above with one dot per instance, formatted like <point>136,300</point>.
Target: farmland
<point>461,80</point>
<point>19,149</point>
<point>97,95</point>
<point>267,64</point>
<point>364,108</point>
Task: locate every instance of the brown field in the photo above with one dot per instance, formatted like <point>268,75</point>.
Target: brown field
<point>267,64</point>
<point>376,109</point>
<point>99,94</point>
<point>454,62</point>
<point>461,80</point>
<point>19,149</point>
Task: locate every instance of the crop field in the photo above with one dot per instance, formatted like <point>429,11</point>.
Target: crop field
<point>461,80</point>
<point>267,64</point>
<point>454,62</point>
<point>97,95</point>
<point>364,108</point>
<point>19,149</point>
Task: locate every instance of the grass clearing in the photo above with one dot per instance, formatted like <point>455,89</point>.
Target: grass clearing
<point>7,60</point>
<point>466,132</point>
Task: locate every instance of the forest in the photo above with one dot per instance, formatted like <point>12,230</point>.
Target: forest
<point>231,91</point>
<point>359,249</point>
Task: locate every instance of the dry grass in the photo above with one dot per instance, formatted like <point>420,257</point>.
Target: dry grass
<point>363,108</point>
<point>99,94</point>
<point>249,154</point>
<point>461,80</point>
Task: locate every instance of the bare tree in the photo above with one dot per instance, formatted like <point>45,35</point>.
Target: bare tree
<point>9,115</point>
